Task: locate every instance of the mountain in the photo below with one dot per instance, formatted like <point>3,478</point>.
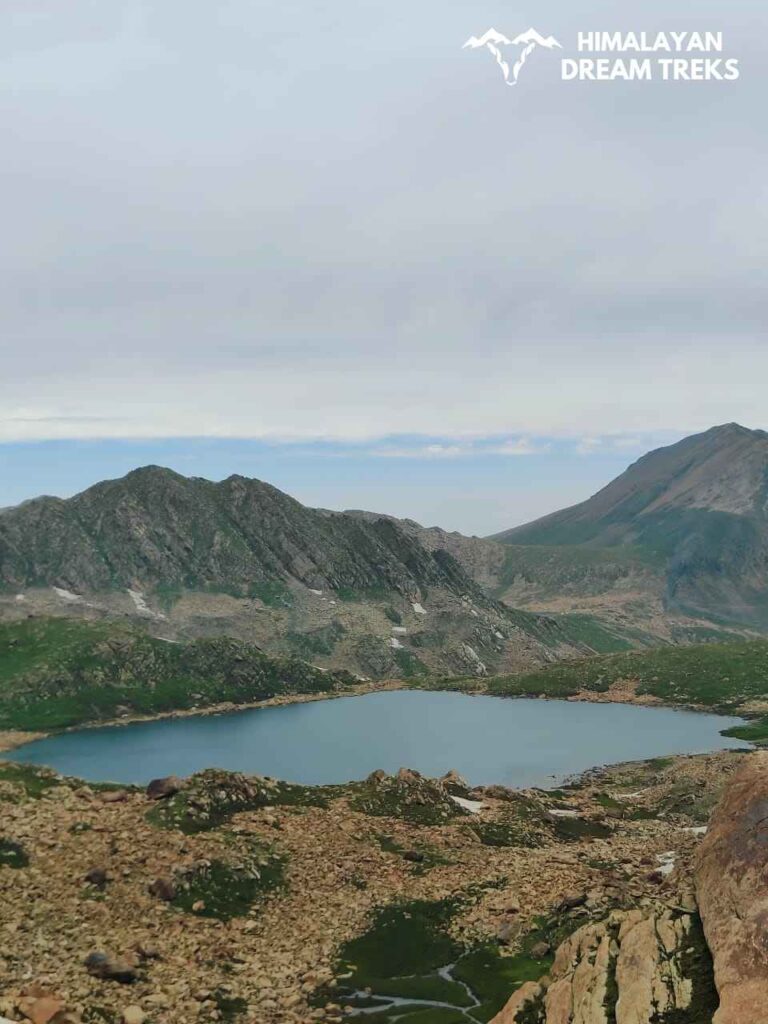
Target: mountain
<point>191,557</point>
<point>689,520</point>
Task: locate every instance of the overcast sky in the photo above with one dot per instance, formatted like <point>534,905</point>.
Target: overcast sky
<point>315,224</point>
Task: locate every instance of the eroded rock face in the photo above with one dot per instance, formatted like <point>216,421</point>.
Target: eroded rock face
<point>732,886</point>
<point>631,968</point>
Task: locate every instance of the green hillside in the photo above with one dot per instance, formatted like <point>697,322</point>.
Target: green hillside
<point>59,672</point>
<point>720,676</point>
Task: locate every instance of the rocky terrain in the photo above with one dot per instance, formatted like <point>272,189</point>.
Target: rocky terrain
<point>684,529</point>
<point>188,558</point>
<point>654,963</point>
<point>233,898</point>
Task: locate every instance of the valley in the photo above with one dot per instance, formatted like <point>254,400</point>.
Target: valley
<point>420,851</point>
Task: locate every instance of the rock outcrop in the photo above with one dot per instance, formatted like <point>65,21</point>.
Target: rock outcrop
<point>732,886</point>
<point>634,967</point>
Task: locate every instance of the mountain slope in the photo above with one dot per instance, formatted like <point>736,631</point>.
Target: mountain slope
<point>195,558</point>
<point>698,509</point>
<point>57,673</point>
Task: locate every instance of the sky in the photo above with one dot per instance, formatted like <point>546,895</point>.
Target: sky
<point>330,248</point>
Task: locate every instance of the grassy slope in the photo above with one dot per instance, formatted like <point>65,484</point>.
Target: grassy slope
<point>59,672</point>
<point>719,676</point>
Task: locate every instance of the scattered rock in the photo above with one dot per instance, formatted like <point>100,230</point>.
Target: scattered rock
<point>113,796</point>
<point>159,789</point>
<point>163,888</point>
<point>133,1015</point>
<point>97,877</point>
<point>102,965</point>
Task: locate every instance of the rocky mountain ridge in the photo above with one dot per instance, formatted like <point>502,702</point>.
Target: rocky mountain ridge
<point>188,558</point>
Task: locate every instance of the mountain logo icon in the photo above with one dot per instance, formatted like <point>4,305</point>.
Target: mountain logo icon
<point>493,41</point>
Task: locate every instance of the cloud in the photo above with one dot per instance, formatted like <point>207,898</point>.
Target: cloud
<point>213,237</point>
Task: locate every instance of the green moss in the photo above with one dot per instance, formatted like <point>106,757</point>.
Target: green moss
<point>404,940</point>
<point>33,780</point>
<point>696,964</point>
<point>571,830</point>
<point>506,833</point>
<point>229,890</point>
<point>417,800</point>
<point>229,1007</point>
<point>12,854</point>
<point>211,798</point>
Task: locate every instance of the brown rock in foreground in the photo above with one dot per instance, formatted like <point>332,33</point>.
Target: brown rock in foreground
<point>732,886</point>
<point>629,968</point>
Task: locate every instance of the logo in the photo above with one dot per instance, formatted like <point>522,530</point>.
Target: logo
<point>658,56</point>
<point>493,41</point>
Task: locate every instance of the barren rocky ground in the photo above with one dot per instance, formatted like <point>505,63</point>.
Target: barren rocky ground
<point>251,901</point>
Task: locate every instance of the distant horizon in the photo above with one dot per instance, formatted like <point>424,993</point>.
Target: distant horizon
<point>477,487</point>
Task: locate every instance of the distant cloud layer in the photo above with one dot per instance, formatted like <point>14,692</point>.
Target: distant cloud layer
<point>277,221</point>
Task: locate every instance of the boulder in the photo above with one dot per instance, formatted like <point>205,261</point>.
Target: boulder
<point>163,889</point>
<point>133,1015</point>
<point>97,877</point>
<point>159,789</point>
<point>731,874</point>
<point>103,965</point>
<point>41,1009</point>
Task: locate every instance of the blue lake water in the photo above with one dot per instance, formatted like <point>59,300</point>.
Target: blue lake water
<point>487,739</point>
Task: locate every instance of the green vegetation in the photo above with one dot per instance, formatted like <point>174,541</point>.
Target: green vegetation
<point>229,1007</point>
<point>600,636</point>
<point>405,952</point>
<point>719,676</point>
<point>212,797</point>
<point>273,593</point>
<point>316,642</point>
<point>402,950</point>
<point>408,664</point>
<point>56,673</point>
<point>33,780</point>
<point>755,732</point>
<point>408,796</point>
<point>423,856</point>
<point>223,891</point>
<point>12,854</point>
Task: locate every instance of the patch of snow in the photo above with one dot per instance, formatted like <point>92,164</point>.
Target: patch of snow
<point>418,608</point>
<point>399,629</point>
<point>498,635</point>
<point>167,641</point>
<point>394,642</point>
<point>474,657</point>
<point>627,796</point>
<point>473,806</point>
<point>66,595</point>
<point>319,593</point>
<point>141,605</point>
<point>558,812</point>
<point>697,830</point>
<point>666,862</point>
<point>473,612</point>
<point>20,598</point>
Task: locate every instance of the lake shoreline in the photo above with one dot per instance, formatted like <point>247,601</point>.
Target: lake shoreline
<point>623,692</point>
